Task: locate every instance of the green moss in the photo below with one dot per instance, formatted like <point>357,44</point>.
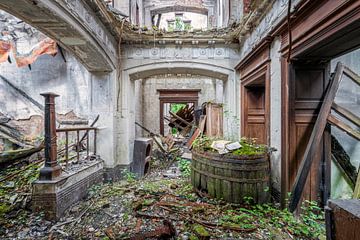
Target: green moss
<point>4,208</point>
<point>248,146</point>
<point>193,237</point>
<point>248,149</point>
<point>200,231</point>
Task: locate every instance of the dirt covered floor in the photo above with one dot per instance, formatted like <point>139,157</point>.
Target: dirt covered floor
<point>157,207</point>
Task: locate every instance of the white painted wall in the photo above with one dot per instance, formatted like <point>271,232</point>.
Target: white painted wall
<point>150,96</point>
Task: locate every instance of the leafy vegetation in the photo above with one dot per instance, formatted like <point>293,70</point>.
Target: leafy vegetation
<point>129,176</point>
<point>185,167</point>
<point>179,24</point>
<point>310,223</point>
<point>175,107</point>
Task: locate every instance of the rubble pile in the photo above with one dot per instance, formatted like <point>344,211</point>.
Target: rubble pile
<point>151,208</point>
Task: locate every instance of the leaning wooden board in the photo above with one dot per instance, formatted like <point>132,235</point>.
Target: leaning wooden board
<point>214,120</point>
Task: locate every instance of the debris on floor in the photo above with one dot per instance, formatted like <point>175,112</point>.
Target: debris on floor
<point>158,207</point>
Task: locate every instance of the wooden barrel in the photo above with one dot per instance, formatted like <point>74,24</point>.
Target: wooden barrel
<point>231,178</point>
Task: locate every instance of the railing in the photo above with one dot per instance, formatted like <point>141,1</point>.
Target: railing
<point>78,143</point>
<point>52,169</point>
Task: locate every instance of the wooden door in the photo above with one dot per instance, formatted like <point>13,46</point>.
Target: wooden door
<point>307,87</point>
<point>254,113</point>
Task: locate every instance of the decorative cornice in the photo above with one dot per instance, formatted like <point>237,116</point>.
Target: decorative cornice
<point>179,52</point>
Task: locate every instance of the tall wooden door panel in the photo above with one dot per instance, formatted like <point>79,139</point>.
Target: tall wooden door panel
<point>306,93</point>
<point>254,126</point>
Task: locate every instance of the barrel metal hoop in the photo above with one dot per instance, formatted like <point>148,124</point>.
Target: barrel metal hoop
<point>247,167</point>
<point>245,180</point>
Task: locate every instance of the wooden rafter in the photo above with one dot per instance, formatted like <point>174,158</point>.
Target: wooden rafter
<point>346,114</point>
<point>352,75</point>
<point>343,126</point>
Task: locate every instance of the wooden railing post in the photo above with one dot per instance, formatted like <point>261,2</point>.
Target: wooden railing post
<point>51,168</point>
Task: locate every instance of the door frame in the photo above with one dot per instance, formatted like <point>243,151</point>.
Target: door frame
<point>263,72</point>
<point>251,68</point>
<point>176,96</point>
<point>327,25</point>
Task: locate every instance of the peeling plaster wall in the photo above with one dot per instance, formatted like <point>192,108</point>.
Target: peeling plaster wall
<point>144,61</point>
<point>86,94</point>
<point>150,97</point>
<point>348,96</point>
<point>271,19</point>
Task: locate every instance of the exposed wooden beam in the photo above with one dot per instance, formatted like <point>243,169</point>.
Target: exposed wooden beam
<point>342,160</point>
<point>346,114</point>
<point>181,119</point>
<point>357,187</point>
<point>343,172</point>
<point>352,75</point>
<point>343,126</point>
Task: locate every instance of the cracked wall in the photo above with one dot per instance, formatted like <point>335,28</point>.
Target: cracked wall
<point>86,94</point>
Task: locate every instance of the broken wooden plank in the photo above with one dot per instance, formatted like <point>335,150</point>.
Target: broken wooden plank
<point>343,126</point>
<point>342,160</point>
<point>159,144</point>
<point>352,75</point>
<point>13,155</point>
<point>147,130</point>
<point>357,187</point>
<point>180,118</point>
<point>186,130</point>
<point>214,120</point>
<point>315,139</point>
<point>346,114</point>
<point>345,175</point>
<point>202,123</point>
<point>193,138</point>
<point>178,126</point>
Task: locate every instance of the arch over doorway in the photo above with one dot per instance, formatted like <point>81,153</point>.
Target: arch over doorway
<point>125,123</point>
<point>179,67</point>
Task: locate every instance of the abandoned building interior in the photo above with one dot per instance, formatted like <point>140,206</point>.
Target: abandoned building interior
<point>167,119</point>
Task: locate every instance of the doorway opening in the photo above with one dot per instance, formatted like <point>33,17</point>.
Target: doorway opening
<point>173,100</point>
<point>255,102</point>
<point>186,110</point>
